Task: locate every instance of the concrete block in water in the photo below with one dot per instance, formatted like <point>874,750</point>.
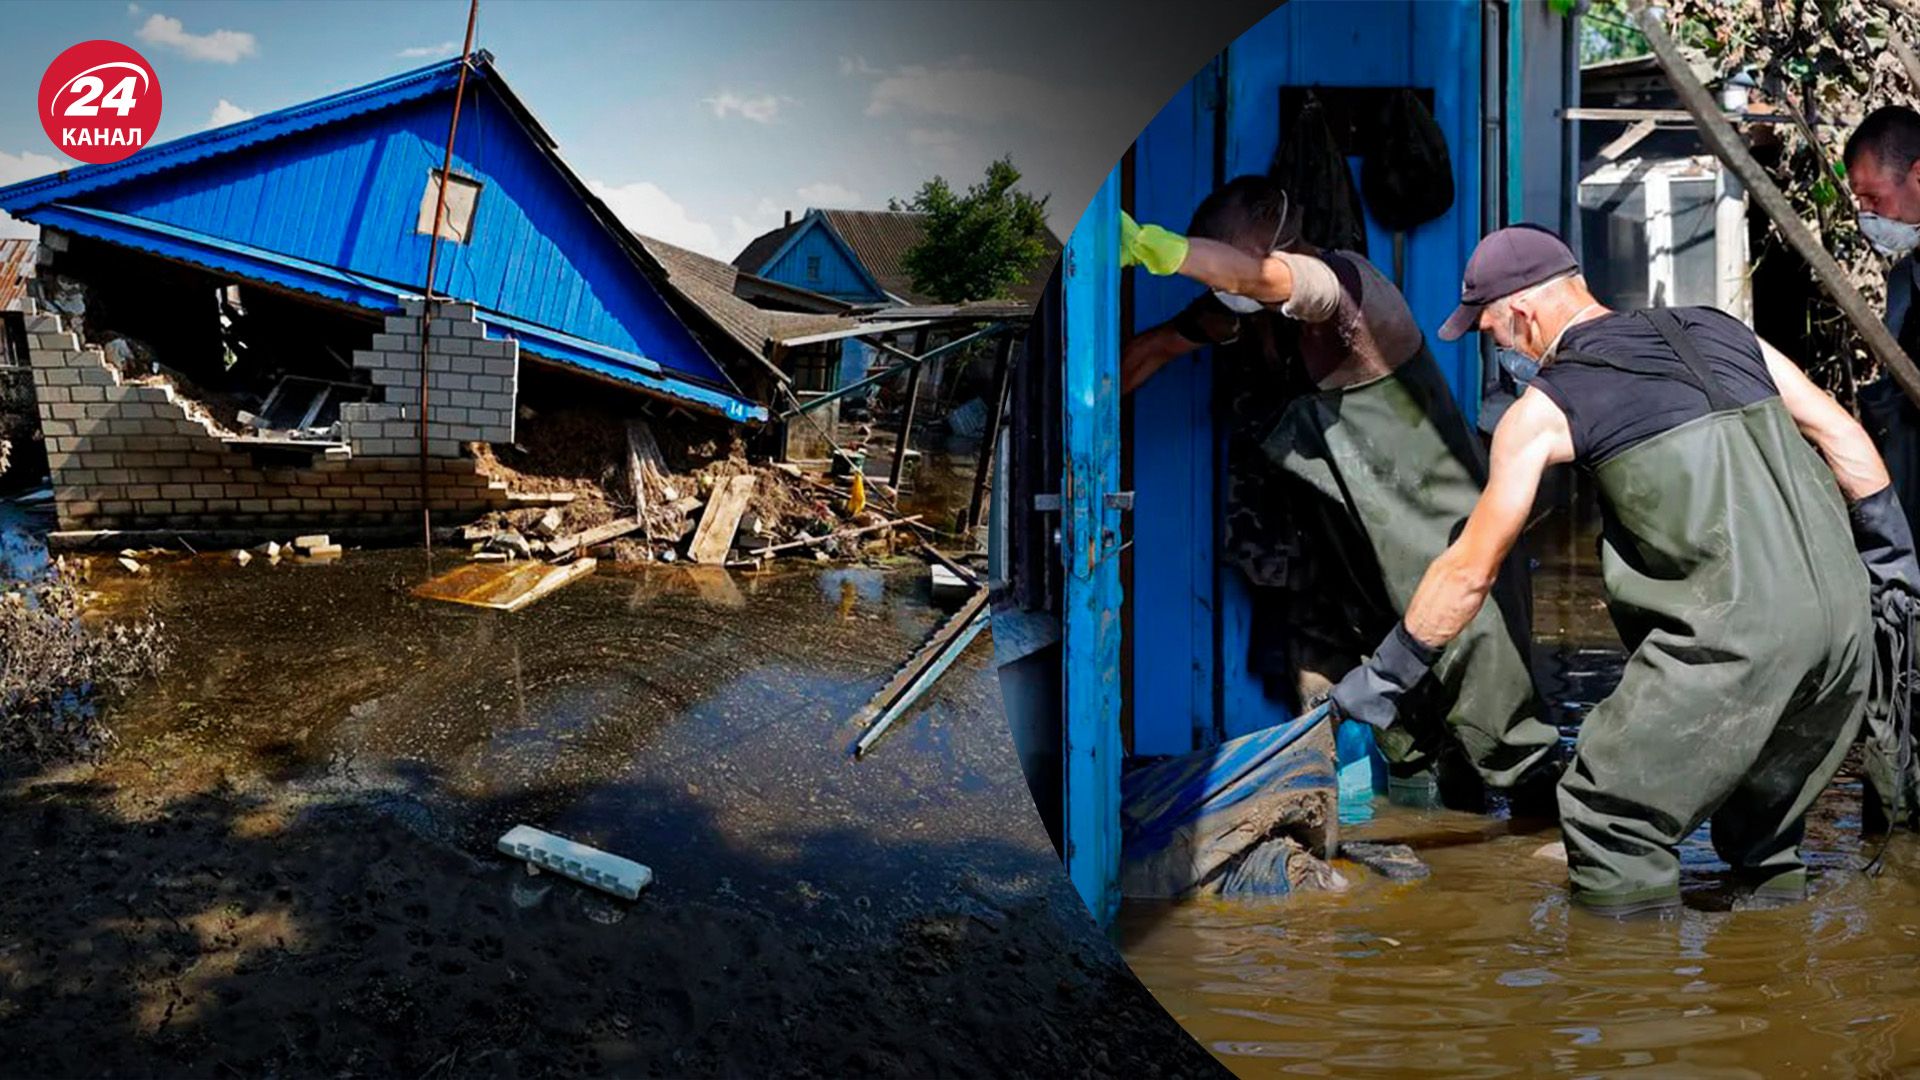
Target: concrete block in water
<point>589,866</point>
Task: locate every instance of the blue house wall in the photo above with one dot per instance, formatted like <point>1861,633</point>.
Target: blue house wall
<point>814,259</point>
<point>347,195</point>
<point>1190,684</point>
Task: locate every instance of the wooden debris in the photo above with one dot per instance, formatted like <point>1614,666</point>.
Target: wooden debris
<point>599,534</point>
<point>502,586</point>
<point>131,566</point>
<point>714,537</point>
<point>814,541</point>
<point>920,672</point>
<point>306,545</point>
<point>243,556</point>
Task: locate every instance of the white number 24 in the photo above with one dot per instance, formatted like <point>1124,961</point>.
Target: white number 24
<point>119,99</point>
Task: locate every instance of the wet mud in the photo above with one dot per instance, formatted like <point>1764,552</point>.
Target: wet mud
<point>286,865</point>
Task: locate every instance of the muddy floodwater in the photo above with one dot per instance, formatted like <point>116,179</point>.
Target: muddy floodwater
<point>1482,969</point>
<point>286,865</point>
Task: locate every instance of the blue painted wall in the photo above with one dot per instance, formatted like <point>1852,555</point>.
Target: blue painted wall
<point>1192,614</point>
<point>836,275</point>
<point>1174,469</point>
<point>348,195</point>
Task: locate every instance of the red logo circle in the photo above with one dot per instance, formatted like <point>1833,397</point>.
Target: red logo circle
<point>99,102</point>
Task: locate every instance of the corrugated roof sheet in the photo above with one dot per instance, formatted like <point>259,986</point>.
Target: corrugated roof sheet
<point>16,258</point>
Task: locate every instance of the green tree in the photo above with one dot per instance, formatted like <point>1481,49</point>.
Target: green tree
<point>978,245</point>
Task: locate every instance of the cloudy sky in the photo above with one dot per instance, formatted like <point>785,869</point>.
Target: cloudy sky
<point>699,123</point>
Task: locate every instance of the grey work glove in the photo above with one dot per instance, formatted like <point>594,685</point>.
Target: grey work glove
<point>1885,542</point>
<point>1371,693</point>
<point>1207,321</point>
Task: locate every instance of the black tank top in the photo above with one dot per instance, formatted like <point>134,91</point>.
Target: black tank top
<point>1611,408</point>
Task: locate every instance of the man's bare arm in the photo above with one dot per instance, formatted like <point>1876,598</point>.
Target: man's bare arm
<point>1845,445</point>
<point>1531,436</point>
<point>1148,352</point>
<point>1227,268</point>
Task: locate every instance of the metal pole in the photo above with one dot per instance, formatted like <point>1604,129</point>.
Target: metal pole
<point>433,261</point>
<point>996,408</point>
<point>913,403</point>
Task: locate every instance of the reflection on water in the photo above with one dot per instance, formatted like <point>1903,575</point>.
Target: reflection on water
<point>1483,970</point>
<point>656,713</point>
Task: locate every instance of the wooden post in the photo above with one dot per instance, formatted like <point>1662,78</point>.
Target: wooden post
<point>913,404</point>
<point>996,408</point>
<point>1727,145</point>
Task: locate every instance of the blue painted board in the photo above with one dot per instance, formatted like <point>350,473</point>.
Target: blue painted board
<point>1089,547</point>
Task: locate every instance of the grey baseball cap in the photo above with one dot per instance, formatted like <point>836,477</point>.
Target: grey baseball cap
<point>1505,262</point>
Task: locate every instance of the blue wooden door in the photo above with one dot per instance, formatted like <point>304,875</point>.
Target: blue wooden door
<point>1089,544</point>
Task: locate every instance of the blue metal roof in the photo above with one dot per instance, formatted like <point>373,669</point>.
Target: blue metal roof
<point>325,197</point>
<point>240,260</point>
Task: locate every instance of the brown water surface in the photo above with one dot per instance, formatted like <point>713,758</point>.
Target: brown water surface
<point>1483,970</point>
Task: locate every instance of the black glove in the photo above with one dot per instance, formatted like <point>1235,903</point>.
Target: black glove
<point>1371,693</point>
<point>1207,321</point>
<point>1885,542</point>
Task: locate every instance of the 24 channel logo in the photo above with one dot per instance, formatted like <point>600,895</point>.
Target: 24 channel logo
<point>99,102</point>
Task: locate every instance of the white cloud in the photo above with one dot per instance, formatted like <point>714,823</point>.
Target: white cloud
<point>227,113</point>
<point>220,47</point>
<point>829,196</point>
<point>645,208</point>
<point>421,52</point>
<point>14,168</point>
<point>941,145</point>
<point>960,88</point>
<point>857,65</point>
<point>133,9</point>
<point>761,110</point>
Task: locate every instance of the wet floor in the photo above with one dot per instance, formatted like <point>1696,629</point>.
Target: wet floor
<point>1483,970</point>
<point>691,719</point>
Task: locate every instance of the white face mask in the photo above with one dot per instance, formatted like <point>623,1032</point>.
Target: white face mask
<point>1891,238</point>
<point>1247,305</point>
<point>1239,305</point>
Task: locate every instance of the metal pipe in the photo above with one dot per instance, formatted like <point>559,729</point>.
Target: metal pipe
<point>433,262</point>
<point>911,361</point>
<point>913,405</point>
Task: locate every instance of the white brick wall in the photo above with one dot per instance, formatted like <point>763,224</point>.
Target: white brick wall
<point>472,382</point>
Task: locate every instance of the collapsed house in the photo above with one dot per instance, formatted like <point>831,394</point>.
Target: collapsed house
<point>228,332</point>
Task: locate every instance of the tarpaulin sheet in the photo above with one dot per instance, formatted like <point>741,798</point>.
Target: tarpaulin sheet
<point>1183,821</point>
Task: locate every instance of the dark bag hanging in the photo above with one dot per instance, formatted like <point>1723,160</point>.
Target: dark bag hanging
<point>1310,168</point>
<point>1408,175</point>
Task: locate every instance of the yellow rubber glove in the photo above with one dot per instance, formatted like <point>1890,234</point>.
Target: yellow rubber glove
<point>1159,250</point>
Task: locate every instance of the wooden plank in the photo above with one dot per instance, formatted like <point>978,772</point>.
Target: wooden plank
<point>502,586</point>
<point>599,534</point>
<point>714,537</point>
<point>912,679</point>
<point>793,545</point>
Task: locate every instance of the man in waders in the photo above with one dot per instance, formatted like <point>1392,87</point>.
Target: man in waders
<point>1728,554</point>
<point>1366,454</point>
<point>1883,168</point>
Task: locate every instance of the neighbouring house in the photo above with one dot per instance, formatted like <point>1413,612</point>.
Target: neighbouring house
<point>856,256</point>
<point>226,330</point>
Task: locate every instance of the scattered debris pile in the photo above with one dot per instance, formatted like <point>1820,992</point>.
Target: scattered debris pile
<point>54,666</point>
<point>655,491</point>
